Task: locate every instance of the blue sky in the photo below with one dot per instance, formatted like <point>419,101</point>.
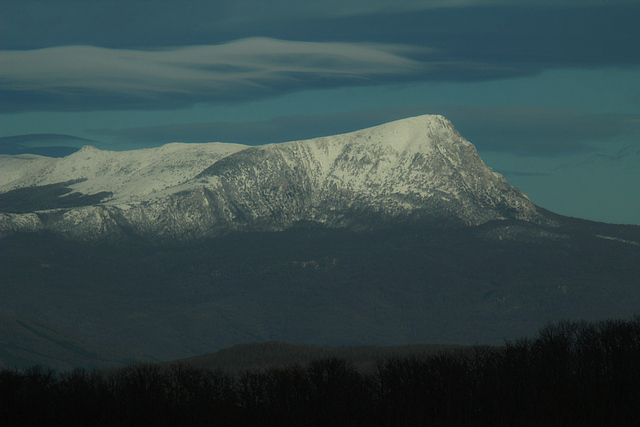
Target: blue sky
<point>548,91</point>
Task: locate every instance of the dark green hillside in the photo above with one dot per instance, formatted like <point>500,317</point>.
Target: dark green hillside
<point>316,286</point>
<point>27,342</point>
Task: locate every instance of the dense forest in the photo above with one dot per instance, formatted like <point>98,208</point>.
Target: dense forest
<point>570,373</point>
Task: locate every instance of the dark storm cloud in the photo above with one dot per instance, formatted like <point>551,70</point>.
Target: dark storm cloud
<point>120,42</point>
<point>524,131</point>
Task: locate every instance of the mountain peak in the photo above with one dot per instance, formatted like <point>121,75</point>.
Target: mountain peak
<point>88,148</point>
<point>415,169</point>
<point>413,132</point>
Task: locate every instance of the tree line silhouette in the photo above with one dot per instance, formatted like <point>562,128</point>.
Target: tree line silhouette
<point>571,373</point>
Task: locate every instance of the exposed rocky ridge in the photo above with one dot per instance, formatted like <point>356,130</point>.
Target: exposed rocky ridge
<point>413,169</point>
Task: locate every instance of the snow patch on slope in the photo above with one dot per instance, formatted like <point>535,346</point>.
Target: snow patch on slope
<point>131,176</point>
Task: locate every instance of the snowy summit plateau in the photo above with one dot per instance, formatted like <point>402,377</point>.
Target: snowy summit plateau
<point>416,169</point>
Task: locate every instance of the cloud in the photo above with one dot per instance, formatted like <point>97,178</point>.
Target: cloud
<point>123,23</point>
<point>523,131</point>
<point>243,12</point>
<point>166,55</point>
<point>43,144</point>
<point>85,77</point>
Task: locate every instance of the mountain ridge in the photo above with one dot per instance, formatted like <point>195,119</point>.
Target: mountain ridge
<point>392,235</point>
<point>418,168</point>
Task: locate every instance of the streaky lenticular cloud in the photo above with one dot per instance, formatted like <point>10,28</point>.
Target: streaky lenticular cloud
<point>236,71</point>
<point>243,10</point>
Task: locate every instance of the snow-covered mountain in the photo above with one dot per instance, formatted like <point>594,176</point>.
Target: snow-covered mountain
<point>416,169</point>
<point>487,265</point>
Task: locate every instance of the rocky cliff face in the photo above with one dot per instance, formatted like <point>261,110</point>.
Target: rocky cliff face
<point>416,169</point>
